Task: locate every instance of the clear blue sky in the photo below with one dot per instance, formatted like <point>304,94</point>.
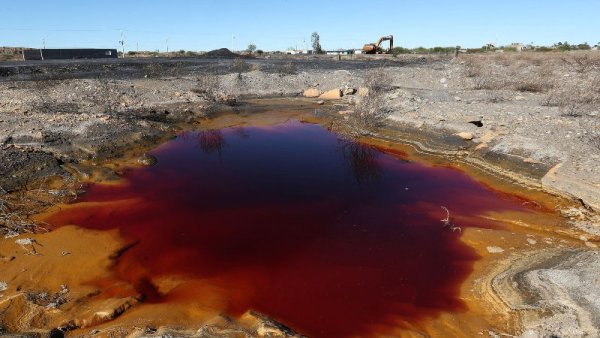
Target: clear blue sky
<point>277,25</point>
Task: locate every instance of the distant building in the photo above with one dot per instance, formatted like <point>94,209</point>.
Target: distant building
<point>340,52</point>
<point>519,47</point>
<point>298,51</point>
<point>69,54</point>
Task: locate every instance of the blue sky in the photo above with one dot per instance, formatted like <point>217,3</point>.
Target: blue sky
<point>279,24</point>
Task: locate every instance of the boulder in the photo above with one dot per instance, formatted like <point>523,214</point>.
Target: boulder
<point>333,94</point>
<point>311,92</point>
<point>349,91</point>
<point>465,135</point>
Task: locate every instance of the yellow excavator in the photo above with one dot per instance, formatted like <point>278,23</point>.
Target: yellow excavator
<point>375,48</point>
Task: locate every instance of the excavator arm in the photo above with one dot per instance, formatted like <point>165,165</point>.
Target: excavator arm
<point>389,38</point>
<point>375,48</point>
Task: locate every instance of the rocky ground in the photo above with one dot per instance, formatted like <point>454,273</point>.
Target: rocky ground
<point>532,117</point>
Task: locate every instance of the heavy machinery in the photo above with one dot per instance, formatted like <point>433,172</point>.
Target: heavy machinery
<point>375,48</point>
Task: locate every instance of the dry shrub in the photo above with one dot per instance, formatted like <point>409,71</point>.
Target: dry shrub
<point>371,111</point>
<point>240,66</point>
<point>473,67</point>
<point>577,98</point>
<point>47,299</point>
<point>17,208</point>
<point>287,68</point>
<point>582,62</point>
<point>255,67</point>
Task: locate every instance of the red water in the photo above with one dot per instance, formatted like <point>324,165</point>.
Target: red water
<point>329,237</point>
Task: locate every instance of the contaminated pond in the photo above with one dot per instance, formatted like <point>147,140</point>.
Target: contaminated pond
<point>327,236</point>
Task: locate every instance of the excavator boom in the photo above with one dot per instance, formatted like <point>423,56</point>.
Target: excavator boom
<point>375,48</point>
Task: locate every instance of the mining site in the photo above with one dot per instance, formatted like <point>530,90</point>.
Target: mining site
<point>271,195</point>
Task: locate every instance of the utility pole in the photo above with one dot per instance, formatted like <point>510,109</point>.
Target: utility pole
<point>122,42</point>
<point>232,42</point>
<point>43,47</point>
<point>167,43</point>
<point>137,47</point>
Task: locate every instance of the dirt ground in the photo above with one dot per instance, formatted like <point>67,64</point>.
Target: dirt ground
<point>528,120</point>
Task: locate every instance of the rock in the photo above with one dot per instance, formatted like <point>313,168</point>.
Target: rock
<point>333,94</point>
<point>495,249</point>
<point>457,98</point>
<point>311,92</point>
<point>320,102</point>
<point>363,91</point>
<point>349,91</point>
<point>56,333</point>
<point>465,135</point>
<point>345,112</point>
<point>147,160</point>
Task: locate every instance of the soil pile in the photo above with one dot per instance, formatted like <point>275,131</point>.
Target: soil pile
<point>222,53</point>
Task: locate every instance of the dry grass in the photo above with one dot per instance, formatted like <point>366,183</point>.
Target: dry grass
<point>18,208</point>
<point>47,299</point>
<point>571,81</point>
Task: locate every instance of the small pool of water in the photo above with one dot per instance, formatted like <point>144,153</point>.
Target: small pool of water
<point>329,237</point>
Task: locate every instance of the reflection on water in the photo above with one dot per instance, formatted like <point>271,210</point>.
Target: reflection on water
<point>329,237</point>
<point>361,159</point>
<point>211,140</point>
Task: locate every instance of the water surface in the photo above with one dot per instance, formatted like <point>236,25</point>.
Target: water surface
<point>330,237</point>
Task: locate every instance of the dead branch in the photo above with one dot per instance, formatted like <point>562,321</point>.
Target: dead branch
<point>447,222</point>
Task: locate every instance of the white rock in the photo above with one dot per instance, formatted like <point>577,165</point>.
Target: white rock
<point>495,249</point>
<point>465,135</point>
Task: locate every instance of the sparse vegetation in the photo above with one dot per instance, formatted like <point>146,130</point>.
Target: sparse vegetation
<point>287,68</point>
<point>570,81</point>
<point>240,66</point>
<point>47,299</point>
<point>18,207</point>
<point>371,111</point>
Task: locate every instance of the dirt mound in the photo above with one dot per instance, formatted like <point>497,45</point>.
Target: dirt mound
<point>222,53</point>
